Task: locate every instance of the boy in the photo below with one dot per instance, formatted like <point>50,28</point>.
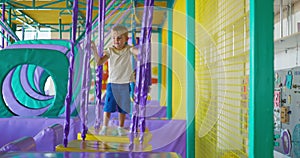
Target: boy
<point>119,78</point>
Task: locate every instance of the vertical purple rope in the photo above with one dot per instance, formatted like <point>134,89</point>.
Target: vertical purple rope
<point>108,6</point>
<point>99,70</point>
<point>106,9</point>
<point>3,19</point>
<point>71,67</point>
<point>86,72</point>
<point>141,88</point>
<point>147,19</point>
<point>135,112</point>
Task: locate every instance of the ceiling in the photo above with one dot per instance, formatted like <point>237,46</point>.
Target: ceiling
<point>285,3</point>
<point>290,42</point>
<point>55,13</point>
<point>52,13</point>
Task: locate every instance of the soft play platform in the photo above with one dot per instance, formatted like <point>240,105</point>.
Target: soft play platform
<point>112,136</point>
<point>166,136</point>
<point>99,146</point>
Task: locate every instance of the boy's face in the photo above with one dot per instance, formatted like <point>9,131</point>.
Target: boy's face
<point>119,40</point>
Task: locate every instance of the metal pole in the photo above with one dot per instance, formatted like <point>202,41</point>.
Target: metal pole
<point>23,33</point>
<point>290,17</point>
<point>261,132</point>
<point>190,78</point>
<point>9,23</point>
<point>169,62</point>
<point>3,19</point>
<point>60,32</point>
<point>281,18</point>
<point>159,74</point>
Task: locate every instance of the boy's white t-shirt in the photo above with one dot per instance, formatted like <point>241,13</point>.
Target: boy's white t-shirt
<point>119,65</point>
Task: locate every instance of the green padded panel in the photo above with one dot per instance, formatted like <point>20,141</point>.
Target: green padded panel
<point>53,61</point>
<point>43,81</point>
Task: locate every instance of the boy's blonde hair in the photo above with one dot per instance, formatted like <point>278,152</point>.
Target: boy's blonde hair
<point>121,30</point>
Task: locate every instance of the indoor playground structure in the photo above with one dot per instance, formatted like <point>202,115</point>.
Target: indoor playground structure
<point>203,79</point>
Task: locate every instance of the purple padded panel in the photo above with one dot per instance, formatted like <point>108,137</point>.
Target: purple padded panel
<point>30,126</point>
<point>41,46</point>
<point>167,135</point>
<point>23,144</point>
<point>58,131</point>
<point>37,75</point>
<point>48,138</point>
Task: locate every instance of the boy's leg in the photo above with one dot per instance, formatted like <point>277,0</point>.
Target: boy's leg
<point>122,97</point>
<point>121,119</point>
<point>106,116</point>
<point>109,107</point>
<point>121,130</point>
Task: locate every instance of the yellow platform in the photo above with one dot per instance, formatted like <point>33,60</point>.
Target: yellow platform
<point>99,146</point>
<point>110,137</point>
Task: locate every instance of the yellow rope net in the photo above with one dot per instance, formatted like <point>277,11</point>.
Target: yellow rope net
<point>222,69</point>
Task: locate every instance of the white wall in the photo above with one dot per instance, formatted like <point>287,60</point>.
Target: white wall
<point>289,59</point>
<point>284,60</point>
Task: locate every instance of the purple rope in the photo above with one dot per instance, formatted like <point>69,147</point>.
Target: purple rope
<point>135,112</point>
<point>86,72</point>
<point>71,67</point>
<point>146,67</point>
<point>141,87</point>
<point>108,7</point>
<point>3,18</point>
<point>99,70</point>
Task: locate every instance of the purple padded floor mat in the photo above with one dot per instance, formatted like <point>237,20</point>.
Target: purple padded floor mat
<point>167,135</point>
<point>98,154</point>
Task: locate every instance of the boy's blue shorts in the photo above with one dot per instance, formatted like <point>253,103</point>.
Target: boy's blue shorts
<point>117,98</point>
